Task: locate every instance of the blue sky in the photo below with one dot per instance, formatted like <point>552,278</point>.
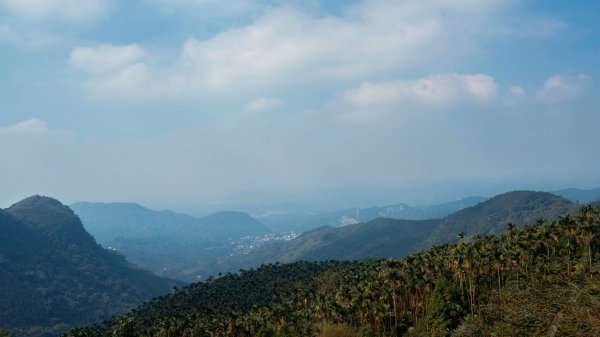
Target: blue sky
<point>187,103</point>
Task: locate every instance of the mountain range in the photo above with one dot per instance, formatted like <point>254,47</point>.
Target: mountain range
<point>581,196</point>
<point>188,248</point>
<point>108,221</point>
<point>54,275</point>
<point>383,237</point>
<point>183,247</point>
<point>170,244</point>
<point>539,280</point>
<point>302,222</point>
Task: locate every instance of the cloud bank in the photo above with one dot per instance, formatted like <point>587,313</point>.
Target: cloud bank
<point>563,88</point>
<point>434,89</point>
<point>372,38</point>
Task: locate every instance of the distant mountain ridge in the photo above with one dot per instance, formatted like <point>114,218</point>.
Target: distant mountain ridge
<point>108,221</point>
<point>302,222</point>
<point>170,244</point>
<point>582,196</point>
<point>54,275</point>
<point>397,238</point>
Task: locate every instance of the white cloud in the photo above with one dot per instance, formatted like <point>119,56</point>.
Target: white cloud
<point>516,91</point>
<point>372,39</point>
<point>33,128</point>
<point>116,69</point>
<point>69,10</point>
<point>29,127</point>
<point>562,88</point>
<point>435,89</point>
<point>106,58</point>
<point>515,95</point>
<point>262,104</point>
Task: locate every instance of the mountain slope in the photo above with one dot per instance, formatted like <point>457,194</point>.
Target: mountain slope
<point>492,216</point>
<point>53,274</point>
<point>228,224</point>
<point>378,238</point>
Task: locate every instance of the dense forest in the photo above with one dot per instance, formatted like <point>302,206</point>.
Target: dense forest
<point>539,280</point>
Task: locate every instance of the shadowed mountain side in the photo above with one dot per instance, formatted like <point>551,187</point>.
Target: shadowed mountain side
<point>54,275</point>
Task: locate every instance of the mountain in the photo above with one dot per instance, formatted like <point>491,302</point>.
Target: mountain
<point>579,195</point>
<point>302,222</point>
<point>53,274</point>
<point>491,217</point>
<point>397,238</point>
<point>170,244</point>
<point>190,258</point>
<point>228,224</point>
<point>541,280</point>
<point>441,210</point>
<point>108,221</point>
<point>376,239</point>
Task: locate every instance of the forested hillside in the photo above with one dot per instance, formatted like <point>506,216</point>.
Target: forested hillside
<point>375,239</point>
<point>53,274</point>
<point>541,280</point>
<point>490,217</point>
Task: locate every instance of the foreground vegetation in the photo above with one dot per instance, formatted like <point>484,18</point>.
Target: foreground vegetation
<point>542,279</point>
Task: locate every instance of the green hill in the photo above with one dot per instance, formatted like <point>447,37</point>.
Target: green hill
<point>378,238</point>
<point>53,274</point>
<point>492,216</point>
<point>541,280</point>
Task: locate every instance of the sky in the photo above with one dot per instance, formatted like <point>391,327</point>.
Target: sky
<point>199,104</point>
